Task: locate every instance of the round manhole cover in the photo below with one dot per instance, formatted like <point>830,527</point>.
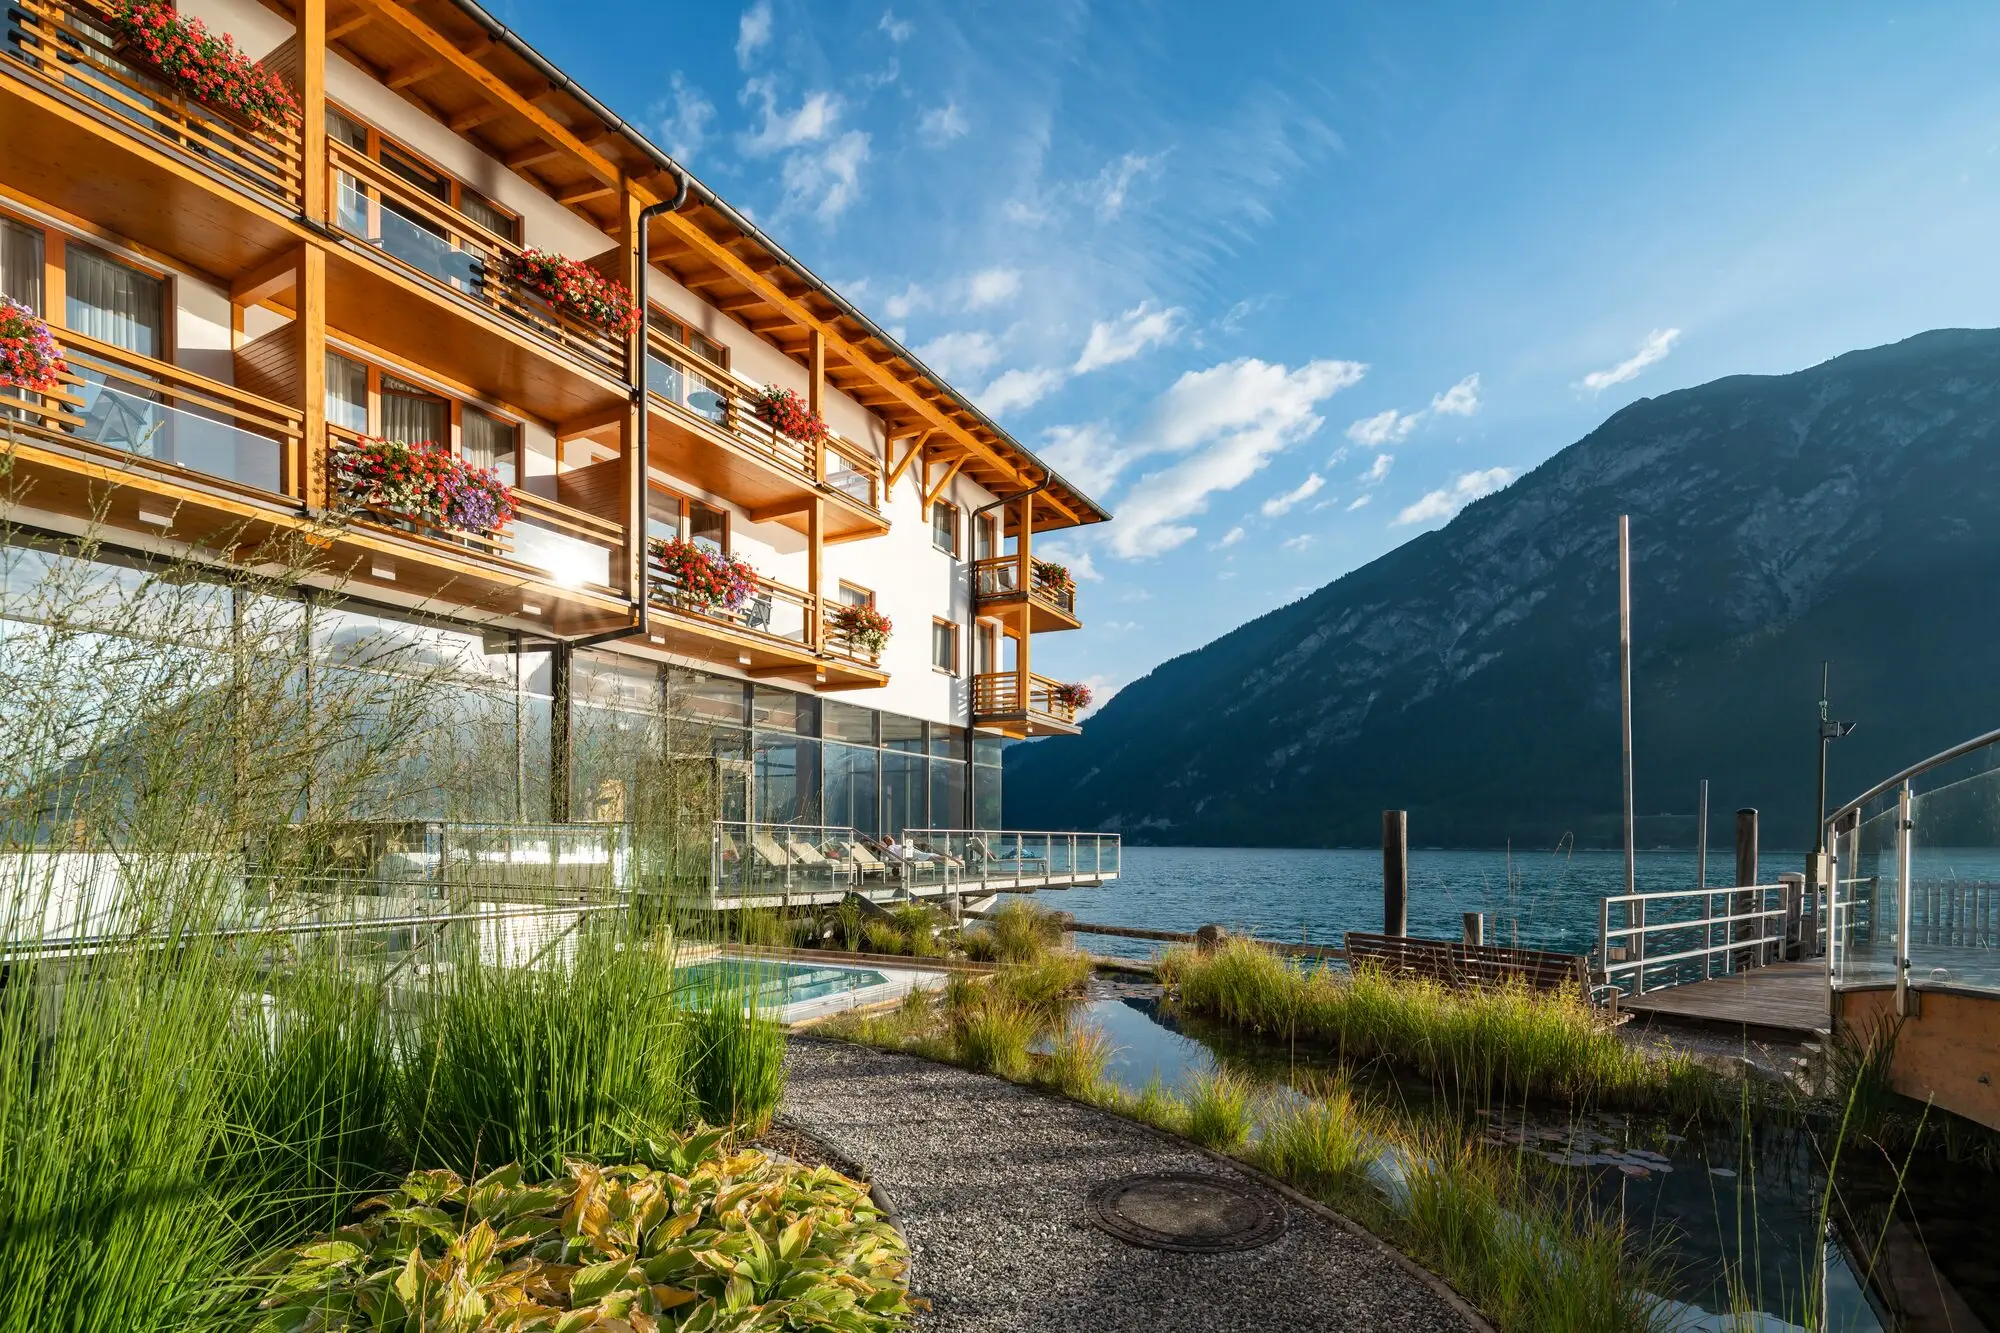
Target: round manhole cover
<point>1194,1214</point>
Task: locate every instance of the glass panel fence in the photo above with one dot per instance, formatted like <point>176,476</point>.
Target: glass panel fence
<point>1953,913</point>
<point>118,419</point>
<point>569,561</point>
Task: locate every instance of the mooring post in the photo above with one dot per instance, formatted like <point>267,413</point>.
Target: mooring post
<point>1395,872</point>
<point>1791,946</point>
<point>1743,904</point>
<point>1475,928</point>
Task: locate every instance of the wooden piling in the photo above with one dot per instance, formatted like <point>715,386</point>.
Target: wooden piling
<point>1746,873</point>
<point>1395,872</point>
<point>1475,928</point>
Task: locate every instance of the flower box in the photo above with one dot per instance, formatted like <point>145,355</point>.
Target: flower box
<point>701,579</point>
<point>1071,698</point>
<point>206,67</point>
<point>785,412</point>
<point>29,357</point>
<point>863,627</point>
<point>424,482</point>
<point>1053,580</point>
<point>573,288</point>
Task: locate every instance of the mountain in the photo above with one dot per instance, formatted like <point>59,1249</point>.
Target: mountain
<point>1849,512</point>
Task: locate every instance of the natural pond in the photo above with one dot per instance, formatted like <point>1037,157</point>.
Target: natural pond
<point>1734,1207</point>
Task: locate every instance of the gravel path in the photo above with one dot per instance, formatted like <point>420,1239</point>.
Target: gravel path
<point>989,1182</point>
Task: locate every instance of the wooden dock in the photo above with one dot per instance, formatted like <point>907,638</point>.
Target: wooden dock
<point>1782,999</point>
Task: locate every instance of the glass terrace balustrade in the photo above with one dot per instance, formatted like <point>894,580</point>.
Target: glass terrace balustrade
<point>120,419</point>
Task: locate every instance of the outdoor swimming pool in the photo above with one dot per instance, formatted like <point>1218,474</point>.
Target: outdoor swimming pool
<point>770,986</point>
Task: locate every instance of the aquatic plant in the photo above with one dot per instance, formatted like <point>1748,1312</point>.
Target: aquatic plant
<point>692,1238</point>
<point>1319,1143</point>
<point>1074,1062</point>
<point>993,1037</point>
<point>1219,1110</point>
<point>1016,932</point>
<point>1048,987</point>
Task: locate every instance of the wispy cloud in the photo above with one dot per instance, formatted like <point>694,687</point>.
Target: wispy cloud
<point>1114,340</point>
<point>991,287</point>
<point>960,355</point>
<point>1115,182</point>
<point>903,304</point>
<point>1654,349</point>
<point>753,32</point>
<point>1229,539</point>
<point>941,124</point>
<point>1225,423</point>
<point>1016,389</point>
<point>1359,501</point>
<point>1298,543</point>
<point>1088,456</point>
<point>1384,428</point>
<point>814,120</point>
<point>682,120</point>
<point>1460,400</point>
<point>899,30</point>
<point>1284,504</point>
<point>826,181</point>
<point>1448,500</point>
<point>1378,470</point>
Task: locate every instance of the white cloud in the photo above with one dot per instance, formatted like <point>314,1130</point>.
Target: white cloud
<point>753,31</point>
<point>826,180</point>
<point>899,30</point>
<point>1378,470</point>
<point>1022,213</point>
<point>941,124</point>
<point>1298,543</point>
<point>814,120</point>
<point>1445,502</point>
<point>1389,427</point>
<point>1283,504</point>
<point>990,287</point>
<point>1227,421</point>
<point>1114,340</point>
<point>960,354</point>
<point>1087,456</point>
<point>1460,400</point>
<point>902,304</point>
<point>1017,389</point>
<point>1230,538</point>
<point>684,127</point>
<point>1359,502</point>
<point>1081,566</point>
<point>1655,348</point>
<point>1115,182</point>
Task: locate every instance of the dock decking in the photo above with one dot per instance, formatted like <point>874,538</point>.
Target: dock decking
<point>1787,998</point>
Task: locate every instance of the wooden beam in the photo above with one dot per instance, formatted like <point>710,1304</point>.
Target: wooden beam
<point>312,96</point>
<point>473,117</point>
<point>816,368</point>
<point>590,421</point>
<point>266,280</point>
<point>527,155</point>
<point>931,496</point>
<point>798,504</point>
<point>579,194</point>
<point>349,25</point>
<point>477,47</point>
<point>417,73</point>
<point>898,468</point>
<point>396,16</point>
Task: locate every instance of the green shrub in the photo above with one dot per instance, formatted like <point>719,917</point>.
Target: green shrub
<point>1219,1111</point>
<point>1074,1065</point>
<point>1047,986</point>
<point>1021,932</point>
<point>880,936</point>
<point>693,1238</point>
<point>917,925</point>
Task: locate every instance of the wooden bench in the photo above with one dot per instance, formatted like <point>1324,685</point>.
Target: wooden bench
<point>1457,964</point>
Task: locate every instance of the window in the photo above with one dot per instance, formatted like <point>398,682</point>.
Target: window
<point>670,515</point>
<point>986,649</point>
<point>413,415</point>
<point>986,537</point>
<point>678,385</point>
<point>412,168</point>
<point>346,392</point>
<point>490,442</point>
<point>115,303</point>
<point>944,527</point>
<point>855,595</point>
<point>944,646</point>
<point>677,331</point>
<point>486,214</point>
<point>21,264</point>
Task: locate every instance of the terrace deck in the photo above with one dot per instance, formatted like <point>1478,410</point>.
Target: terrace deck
<point>1786,999</point>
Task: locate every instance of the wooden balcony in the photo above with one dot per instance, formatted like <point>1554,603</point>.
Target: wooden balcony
<point>423,283</point>
<point>705,433</point>
<point>1041,606</point>
<point>95,135</point>
<point>772,635</point>
<point>997,705</point>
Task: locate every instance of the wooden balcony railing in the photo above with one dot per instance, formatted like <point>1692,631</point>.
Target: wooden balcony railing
<point>704,390</point>
<point>998,694</point>
<point>128,407</point>
<point>66,50</point>
<point>1000,576</point>
<point>774,611</point>
<point>552,541</point>
<point>428,237</point>
<point>838,644</point>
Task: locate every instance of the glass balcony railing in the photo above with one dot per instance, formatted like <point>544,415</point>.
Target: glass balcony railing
<point>138,424</point>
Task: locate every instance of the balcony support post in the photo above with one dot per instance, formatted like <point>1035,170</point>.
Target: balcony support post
<point>307,476</point>
<point>815,570</point>
<point>816,400</point>
<point>312,108</point>
<point>635,375</point>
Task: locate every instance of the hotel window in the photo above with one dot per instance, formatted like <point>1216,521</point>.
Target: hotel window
<point>413,415</point>
<point>944,527</point>
<point>985,537</point>
<point>944,646</point>
<point>346,392</point>
<point>985,649</point>
<point>672,381</point>
<point>21,264</point>
<point>488,441</point>
<point>854,595</point>
<point>412,168</point>
<point>670,515</point>
<point>113,302</point>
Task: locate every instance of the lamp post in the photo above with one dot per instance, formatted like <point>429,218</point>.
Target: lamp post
<point>1829,730</point>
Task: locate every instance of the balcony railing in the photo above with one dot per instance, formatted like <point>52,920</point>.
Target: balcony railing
<point>1000,577</point>
<point>702,389</point>
<point>839,644</point>
<point>998,694</point>
<point>66,50</point>
<point>426,236</point>
<point>774,611</point>
<point>131,407</point>
<point>568,547</point>
<point>812,863</point>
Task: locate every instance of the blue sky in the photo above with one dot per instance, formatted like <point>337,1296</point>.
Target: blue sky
<point>1286,285</point>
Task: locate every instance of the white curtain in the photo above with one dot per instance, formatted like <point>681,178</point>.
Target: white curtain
<point>21,264</point>
<point>413,417</point>
<point>113,303</point>
<point>487,441</point>
<point>346,392</point>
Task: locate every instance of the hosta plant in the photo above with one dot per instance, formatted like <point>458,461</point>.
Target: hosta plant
<point>29,357</point>
<point>575,288</point>
<point>694,574</point>
<point>788,414</point>
<point>863,626</point>
<point>204,65</point>
<point>698,1240</point>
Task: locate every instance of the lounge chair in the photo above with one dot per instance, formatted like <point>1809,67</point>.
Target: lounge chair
<point>769,852</point>
<point>865,862</point>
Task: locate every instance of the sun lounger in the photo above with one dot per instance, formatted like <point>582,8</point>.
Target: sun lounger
<point>768,851</point>
<point>865,861</point>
